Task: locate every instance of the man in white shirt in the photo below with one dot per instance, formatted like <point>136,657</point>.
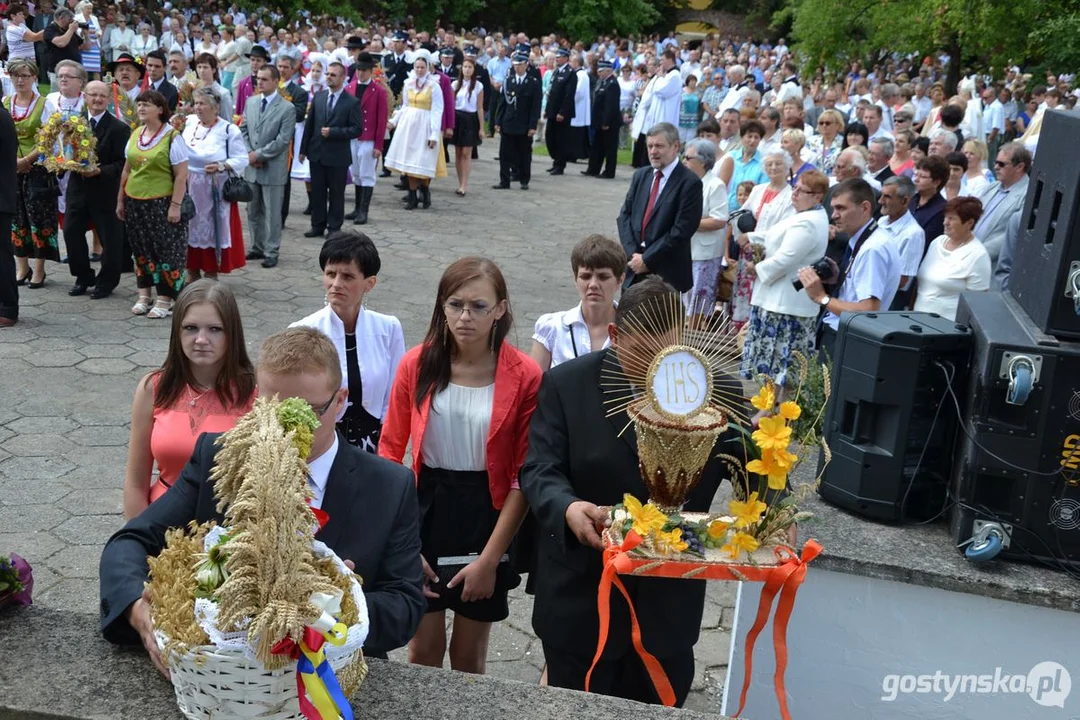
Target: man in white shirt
<point>870,271</point>
<point>922,103</point>
<point>872,118</point>
<point>691,66</point>
<point>770,118</point>
<point>729,132</point>
<point>740,86</point>
<point>790,87</point>
<point>993,118</point>
<point>890,97</point>
<point>907,234</point>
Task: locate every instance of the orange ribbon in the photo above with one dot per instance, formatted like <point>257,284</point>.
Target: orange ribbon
<point>616,562</point>
<point>783,579</point>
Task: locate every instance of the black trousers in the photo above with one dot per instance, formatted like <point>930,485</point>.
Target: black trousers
<point>826,344</point>
<point>77,219</point>
<point>557,136</point>
<point>494,104</point>
<point>9,291</point>
<point>515,152</point>
<point>641,152</point>
<point>604,152</point>
<point>327,188</point>
<point>624,676</point>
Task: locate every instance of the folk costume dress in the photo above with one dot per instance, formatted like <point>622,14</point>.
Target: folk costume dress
<point>159,246</point>
<point>215,230</point>
<point>417,121</point>
<point>33,229</point>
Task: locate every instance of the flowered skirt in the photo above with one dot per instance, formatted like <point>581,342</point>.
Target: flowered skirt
<point>33,231</point>
<point>159,246</point>
<point>701,299</point>
<point>740,293</point>
<point>771,341</point>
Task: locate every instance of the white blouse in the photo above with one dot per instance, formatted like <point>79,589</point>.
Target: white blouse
<point>222,142</point>
<point>55,102</point>
<point>380,344</point>
<point>463,101</point>
<point>457,429</point>
<point>944,274</point>
<point>565,335</point>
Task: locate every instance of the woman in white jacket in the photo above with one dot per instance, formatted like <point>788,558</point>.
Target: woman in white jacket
<point>369,344</point>
<point>783,319</point>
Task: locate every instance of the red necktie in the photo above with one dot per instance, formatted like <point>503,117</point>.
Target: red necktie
<point>652,202</point>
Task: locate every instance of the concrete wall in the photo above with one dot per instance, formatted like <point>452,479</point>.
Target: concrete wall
<point>848,633</point>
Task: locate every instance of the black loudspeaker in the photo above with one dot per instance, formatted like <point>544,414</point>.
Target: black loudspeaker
<point>891,438</point>
<point>1045,277</point>
<point>1018,474</point>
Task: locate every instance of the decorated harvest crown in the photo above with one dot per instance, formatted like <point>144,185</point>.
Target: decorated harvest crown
<point>668,379</point>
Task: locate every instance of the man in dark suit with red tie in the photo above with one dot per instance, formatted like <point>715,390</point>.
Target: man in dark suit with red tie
<point>368,146</point>
<point>332,123</point>
<point>89,196</point>
<point>661,212</point>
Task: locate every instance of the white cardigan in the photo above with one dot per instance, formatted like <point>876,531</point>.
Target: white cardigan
<point>380,344</point>
<point>780,208</point>
<point>796,242</point>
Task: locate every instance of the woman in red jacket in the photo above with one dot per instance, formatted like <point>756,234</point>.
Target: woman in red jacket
<point>464,397</point>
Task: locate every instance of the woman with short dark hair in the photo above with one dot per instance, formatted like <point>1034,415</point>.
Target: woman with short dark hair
<point>955,262</point>
<point>369,344</point>
<point>152,188</point>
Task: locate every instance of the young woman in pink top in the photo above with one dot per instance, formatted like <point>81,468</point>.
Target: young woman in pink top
<point>205,385</point>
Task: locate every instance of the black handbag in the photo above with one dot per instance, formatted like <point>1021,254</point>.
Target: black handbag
<point>237,189</point>
<point>42,187</point>
<point>187,208</point>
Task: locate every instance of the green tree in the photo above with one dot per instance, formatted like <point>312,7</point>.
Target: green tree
<point>975,33</point>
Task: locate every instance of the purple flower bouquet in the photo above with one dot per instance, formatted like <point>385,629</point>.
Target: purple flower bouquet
<point>16,581</point>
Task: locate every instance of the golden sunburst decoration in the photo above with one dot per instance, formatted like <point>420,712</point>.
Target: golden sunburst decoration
<point>679,387</point>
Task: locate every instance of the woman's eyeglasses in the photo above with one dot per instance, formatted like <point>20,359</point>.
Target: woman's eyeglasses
<point>455,309</point>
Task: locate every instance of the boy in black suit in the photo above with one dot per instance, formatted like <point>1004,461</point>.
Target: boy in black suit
<point>371,502</point>
<point>578,463</point>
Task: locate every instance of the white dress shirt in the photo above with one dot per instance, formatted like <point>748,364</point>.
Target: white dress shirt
<point>910,240</point>
<point>875,273</point>
<point>319,473</point>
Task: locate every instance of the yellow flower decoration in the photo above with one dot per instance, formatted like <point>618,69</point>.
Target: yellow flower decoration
<point>646,518</point>
<point>765,399</point>
<point>717,528</point>
<point>790,410</point>
<point>769,467</point>
<point>671,540</point>
<point>739,543</point>
<point>772,432</point>
<point>749,512</point>
<point>783,459</point>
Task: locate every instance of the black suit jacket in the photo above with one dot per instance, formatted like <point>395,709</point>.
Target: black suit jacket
<point>561,93</point>
<point>884,174</point>
<point>396,73</point>
<point>575,453</point>
<point>605,105</point>
<point>9,150</point>
<point>675,218</point>
<point>373,522</point>
<point>345,123</point>
<point>170,93</point>
<point>520,110</point>
<point>112,139</point>
<point>299,97</point>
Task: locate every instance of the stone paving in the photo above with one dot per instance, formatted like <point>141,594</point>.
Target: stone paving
<point>69,368</point>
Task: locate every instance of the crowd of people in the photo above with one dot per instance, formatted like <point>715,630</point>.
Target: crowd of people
<point>775,194</point>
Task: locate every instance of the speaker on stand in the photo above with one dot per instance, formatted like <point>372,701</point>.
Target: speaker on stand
<point>891,438</point>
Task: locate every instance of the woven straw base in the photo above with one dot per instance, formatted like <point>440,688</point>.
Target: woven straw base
<point>213,685</point>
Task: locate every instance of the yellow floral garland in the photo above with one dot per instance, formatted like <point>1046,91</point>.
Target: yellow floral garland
<point>77,133</point>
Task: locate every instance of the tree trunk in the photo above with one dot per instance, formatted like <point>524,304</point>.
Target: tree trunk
<point>952,78</point>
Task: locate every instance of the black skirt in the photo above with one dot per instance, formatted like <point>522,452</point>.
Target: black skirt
<point>456,520</point>
<point>466,129</point>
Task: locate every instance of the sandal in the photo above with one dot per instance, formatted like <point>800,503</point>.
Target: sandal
<point>142,306</point>
<point>459,193</point>
<point>160,311</point>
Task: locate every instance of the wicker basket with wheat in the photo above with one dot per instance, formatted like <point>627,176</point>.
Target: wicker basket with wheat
<point>250,615</point>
